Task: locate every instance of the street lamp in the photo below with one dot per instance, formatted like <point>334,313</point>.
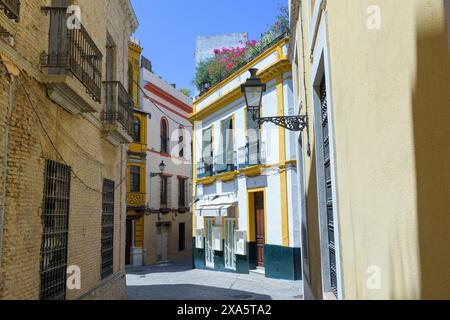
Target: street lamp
<point>162,168</point>
<point>253,90</point>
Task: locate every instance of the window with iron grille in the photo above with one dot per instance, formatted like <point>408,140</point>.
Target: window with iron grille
<point>328,186</point>
<point>137,130</point>
<point>182,189</point>
<point>107,252</point>
<point>55,231</point>
<point>135,179</point>
<point>164,136</point>
<point>164,190</point>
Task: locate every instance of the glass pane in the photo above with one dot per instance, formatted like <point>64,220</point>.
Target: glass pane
<point>253,96</point>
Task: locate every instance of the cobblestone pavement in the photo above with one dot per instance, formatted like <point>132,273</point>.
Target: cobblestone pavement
<point>178,281</point>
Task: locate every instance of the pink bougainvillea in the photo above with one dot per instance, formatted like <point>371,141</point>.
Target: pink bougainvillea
<point>229,58</point>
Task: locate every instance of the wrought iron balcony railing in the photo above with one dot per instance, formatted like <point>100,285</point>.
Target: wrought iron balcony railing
<point>205,168</point>
<point>118,106</point>
<point>11,9</point>
<point>72,50</point>
<point>225,162</point>
<point>252,154</point>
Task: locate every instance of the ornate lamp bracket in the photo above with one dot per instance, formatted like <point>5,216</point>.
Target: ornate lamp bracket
<point>292,123</point>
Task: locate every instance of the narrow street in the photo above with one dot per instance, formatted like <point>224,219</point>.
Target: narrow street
<point>178,281</point>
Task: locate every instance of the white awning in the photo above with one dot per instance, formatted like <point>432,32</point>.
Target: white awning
<point>217,205</point>
<point>214,210</point>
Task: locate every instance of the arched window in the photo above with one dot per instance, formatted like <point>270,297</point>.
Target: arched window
<point>181,142</point>
<point>164,136</point>
<point>137,130</point>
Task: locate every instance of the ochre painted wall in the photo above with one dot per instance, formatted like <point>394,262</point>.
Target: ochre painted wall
<point>391,115</point>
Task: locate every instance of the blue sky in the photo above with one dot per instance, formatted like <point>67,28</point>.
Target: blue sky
<point>168,29</point>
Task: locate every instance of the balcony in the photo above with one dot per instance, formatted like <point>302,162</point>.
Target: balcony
<point>73,65</point>
<point>136,200</point>
<point>118,115</point>
<point>253,154</point>
<point>205,168</point>
<point>225,162</point>
<point>9,17</point>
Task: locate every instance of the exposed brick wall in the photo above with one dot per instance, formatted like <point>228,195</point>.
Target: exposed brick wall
<point>82,146</point>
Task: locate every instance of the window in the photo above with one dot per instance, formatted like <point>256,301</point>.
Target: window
<point>55,231</point>
<point>181,143</point>
<point>137,130</point>
<point>107,249</point>
<point>205,167</point>
<point>254,146</point>
<point>164,136</point>
<point>182,192</point>
<point>164,190</point>
<point>135,179</point>
<point>327,184</point>
<point>182,237</point>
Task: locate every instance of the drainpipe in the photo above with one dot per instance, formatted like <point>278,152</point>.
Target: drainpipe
<point>13,72</point>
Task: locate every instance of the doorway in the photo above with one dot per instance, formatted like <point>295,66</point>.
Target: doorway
<point>259,228</point>
<point>128,242</point>
<point>162,243</point>
<point>230,257</point>
<point>209,250</point>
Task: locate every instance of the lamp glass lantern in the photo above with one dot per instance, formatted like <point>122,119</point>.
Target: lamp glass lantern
<point>162,166</point>
<point>253,90</point>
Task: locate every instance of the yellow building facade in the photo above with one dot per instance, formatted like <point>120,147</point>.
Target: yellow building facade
<point>137,202</point>
<point>373,78</point>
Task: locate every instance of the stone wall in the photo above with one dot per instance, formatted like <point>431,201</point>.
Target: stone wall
<point>76,140</point>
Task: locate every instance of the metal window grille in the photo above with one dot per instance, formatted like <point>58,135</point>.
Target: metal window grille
<point>72,50</point>
<point>328,186</point>
<point>107,228</point>
<point>135,179</point>
<point>182,193</point>
<point>55,231</point>
<point>165,191</point>
<point>164,137</point>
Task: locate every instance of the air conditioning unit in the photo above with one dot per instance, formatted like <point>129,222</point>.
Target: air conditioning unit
<point>199,244</point>
<point>217,242</point>
<point>241,243</point>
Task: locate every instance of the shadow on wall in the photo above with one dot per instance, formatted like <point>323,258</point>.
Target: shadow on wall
<point>431,120</point>
<point>189,292</point>
<point>313,281</point>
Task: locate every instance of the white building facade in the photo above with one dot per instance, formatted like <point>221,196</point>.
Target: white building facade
<point>246,215</point>
<point>168,220</point>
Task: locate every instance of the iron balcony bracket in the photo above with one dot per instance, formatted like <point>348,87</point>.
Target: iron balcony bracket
<point>292,123</point>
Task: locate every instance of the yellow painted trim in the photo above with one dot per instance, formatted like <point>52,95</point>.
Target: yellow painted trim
<point>252,171</point>
<point>227,176</point>
<point>207,180</point>
<point>259,58</point>
<point>194,181</point>
<point>283,173</point>
<point>276,69</point>
<point>251,213</point>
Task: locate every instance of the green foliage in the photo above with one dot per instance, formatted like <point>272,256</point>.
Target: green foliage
<point>186,92</point>
<point>213,70</point>
<point>208,73</point>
